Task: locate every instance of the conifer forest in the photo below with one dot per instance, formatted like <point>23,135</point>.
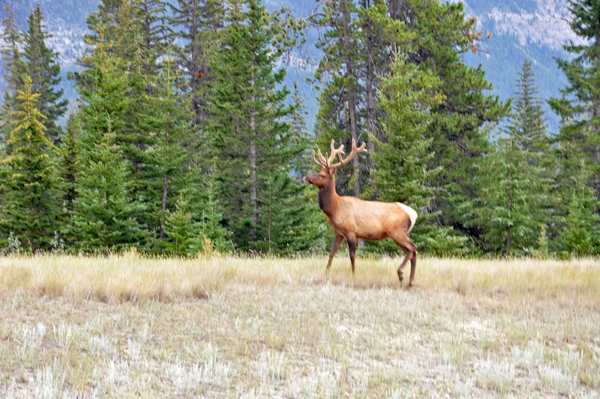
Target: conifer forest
<point>184,138</point>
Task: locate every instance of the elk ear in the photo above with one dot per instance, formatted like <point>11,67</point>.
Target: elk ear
<point>332,171</point>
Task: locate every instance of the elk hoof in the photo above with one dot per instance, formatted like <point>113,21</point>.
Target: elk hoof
<point>400,275</point>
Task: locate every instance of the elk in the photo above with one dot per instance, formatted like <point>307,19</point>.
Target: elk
<point>353,218</point>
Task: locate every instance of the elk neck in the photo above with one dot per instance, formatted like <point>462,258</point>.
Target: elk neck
<point>328,198</point>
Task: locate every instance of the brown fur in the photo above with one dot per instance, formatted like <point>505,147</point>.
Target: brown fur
<point>353,218</point>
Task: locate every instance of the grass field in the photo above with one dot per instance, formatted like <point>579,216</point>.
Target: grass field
<point>126,326</point>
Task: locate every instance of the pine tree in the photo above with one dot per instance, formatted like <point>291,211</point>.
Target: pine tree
<point>300,137</point>
<point>68,169</point>
<point>198,23</point>
<point>441,37</point>
<point>510,197</point>
<point>580,103</point>
<point>150,20</point>
<point>168,160</point>
<point>285,216</point>
<point>41,63</point>
<point>183,232</point>
<point>211,223</point>
<point>31,207</point>
<point>404,153</point>
<point>104,212</point>
<point>531,125</point>
<point>249,139</point>
<point>581,234</point>
<point>13,67</point>
<point>515,179</point>
<point>340,98</point>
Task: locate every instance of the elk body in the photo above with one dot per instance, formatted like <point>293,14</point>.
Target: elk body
<point>353,218</point>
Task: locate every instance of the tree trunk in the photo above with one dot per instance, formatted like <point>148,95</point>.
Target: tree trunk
<point>253,182</point>
<point>509,212</point>
<point>164,204</point>
<point>351,94</point>
<point>370,108</point>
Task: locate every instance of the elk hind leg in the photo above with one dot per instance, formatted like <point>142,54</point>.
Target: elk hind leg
<point>410,249</point>
<point>352,249</point>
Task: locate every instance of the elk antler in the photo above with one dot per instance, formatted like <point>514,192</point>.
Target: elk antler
<point>355,151</point>
<point>335,152</point>
<point>322,162</point>
<point>325,163</point>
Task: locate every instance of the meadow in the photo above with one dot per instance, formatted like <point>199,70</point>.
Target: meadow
<point>128,326</point>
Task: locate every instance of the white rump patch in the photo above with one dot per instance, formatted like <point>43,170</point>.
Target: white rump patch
<point>412,214</point>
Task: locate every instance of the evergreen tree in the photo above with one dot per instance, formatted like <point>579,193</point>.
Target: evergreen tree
<point>404,153</point>
<point>168,159</point>
<point>441,37</point>
<point>30,204</point>
<point>198,24</point>
<point>211,223</point>
<point>515,179</point>
<point>580,103</point>
<point>68,169</point>
<point>150,20</point>
<point>183,232</point>
<point>530,122</point>
<point>510,198</point>
<point>581,234</point>
<point>300,137</point>
<point>104,211</point>
<point>13,67</point>
<point>339,100</point>
<point>285,216</point>
<point>249,139</point>
<point>41,63</point>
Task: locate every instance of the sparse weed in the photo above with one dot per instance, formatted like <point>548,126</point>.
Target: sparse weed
<point>556,381</point>
<point>497,376</point>
<point>63,334</point>
<point>47,385</point>
<point>127,325</point>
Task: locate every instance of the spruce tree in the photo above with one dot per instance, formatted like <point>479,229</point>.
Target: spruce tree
<point>250,139</point>
<point>183,232</point>
<point>527,105</point>
<point>509,203</point>
<point>41,63</point>
<point>31,206</point>
<point>340,98</point>
<point>580,103</point>
<point>404,152</point>
<point>68,170</point>
<point>13,67</point>
<point>441,36</point>
<point>104,211</point>
<point>198,24</point>
<point>300,137</point>
<point>211,222</point>
<point>581,234</point>
<point>169,159</point>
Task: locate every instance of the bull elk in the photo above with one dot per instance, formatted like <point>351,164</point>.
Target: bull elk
<point>353,218</point>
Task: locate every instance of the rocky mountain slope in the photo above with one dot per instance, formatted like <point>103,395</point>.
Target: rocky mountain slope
<point>535,29</point>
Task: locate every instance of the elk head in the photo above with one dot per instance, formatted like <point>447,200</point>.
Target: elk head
<point>325,178</point>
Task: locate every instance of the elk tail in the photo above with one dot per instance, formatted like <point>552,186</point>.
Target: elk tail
<point>412,214</point>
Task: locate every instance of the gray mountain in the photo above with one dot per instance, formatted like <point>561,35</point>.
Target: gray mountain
<point>535,29</point>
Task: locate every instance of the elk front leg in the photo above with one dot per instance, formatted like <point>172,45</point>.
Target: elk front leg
<point>352,249</point>
<point>336,245</point>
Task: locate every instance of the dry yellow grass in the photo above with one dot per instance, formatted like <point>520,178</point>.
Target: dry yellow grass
<point>130,276</point>
<point>126,326</point>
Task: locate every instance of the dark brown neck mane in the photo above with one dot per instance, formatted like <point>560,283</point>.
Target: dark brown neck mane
<point>327,197</point>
